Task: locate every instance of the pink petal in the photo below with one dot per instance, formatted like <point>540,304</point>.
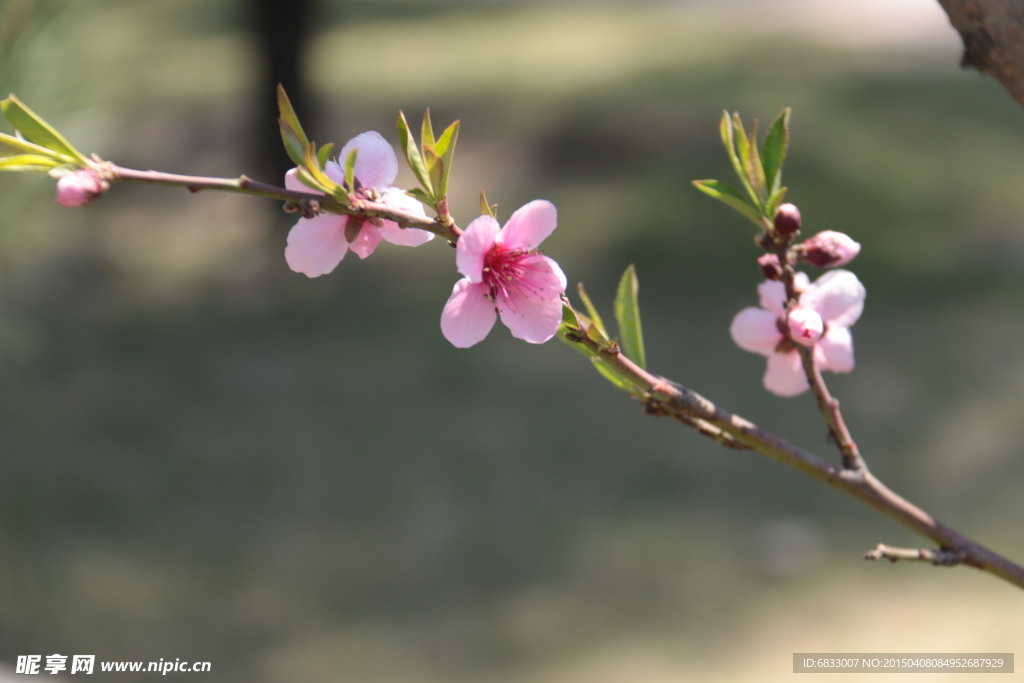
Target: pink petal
<point>557,271</point>
<point>366,241</point>
<point>292,182</point>
<point>474,244</point>
<point>532,320</point>
<point>834,351</point>
<point>772,297</point>
<point>529,225</point>
<point>784,375</point>
<point>316,245</point>
<point>406,237</point>
<point>468,316</point>
<point>838,296</point>
<point>756,330</point>
<point>376,163</point>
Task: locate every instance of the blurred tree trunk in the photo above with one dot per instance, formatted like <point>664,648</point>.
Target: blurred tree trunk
<point>281,30</point>
<point>993,36</point>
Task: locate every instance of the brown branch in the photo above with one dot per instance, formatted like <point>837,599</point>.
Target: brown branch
<point>665,398</point>
<point>993,36</point>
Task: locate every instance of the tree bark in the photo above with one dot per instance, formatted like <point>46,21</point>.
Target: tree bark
<point>993,36</point>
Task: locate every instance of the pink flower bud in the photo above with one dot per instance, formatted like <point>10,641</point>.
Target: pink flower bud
<point>80,187</point>
<point>805,325</point>
<point>770,266</point>
<point>829,249</point>
<point>787,219</point>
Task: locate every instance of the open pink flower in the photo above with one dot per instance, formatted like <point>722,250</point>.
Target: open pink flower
<point>506,276</point>
<point>837,297</point>
<point>317,245</point>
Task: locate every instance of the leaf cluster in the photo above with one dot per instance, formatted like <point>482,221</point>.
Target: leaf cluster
<point>759,168</point>
<point>36,146</point>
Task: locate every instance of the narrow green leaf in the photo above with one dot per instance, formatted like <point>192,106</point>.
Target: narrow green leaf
<point>28,163</point>
<point>294,138</point>
<point>487,209</point>
<point>34,129</point>
<point>750,159</point>
<point>776,143</point>
<point>627,315</point>
<point>419,195</point>
<point>11,145</point>
<point>413,157</point>
<point>350,169</point>
<point>324,155</point>
<point>727,129</point>
<point>730,196</point>
<point>309,170</point>
<point>445,148</point>
<point>294,143</point>
<point>591,309</point>
<point>772,205</point>
<point>427,130</point>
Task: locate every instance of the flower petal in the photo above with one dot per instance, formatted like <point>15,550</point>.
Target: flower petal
<point>376,163</point>
<point>772,297</point>
<point>529,225</point>
<point>366,241</point>
<point>468,315</point>
<point>557,271</point>
<point>834,351</point>
<point>532,320</point>
<point>474,244</point>
<point>838,296</point>
<point>756,330</point>
<point>406,237</point>
<point>316,245</point>
<point>784,375</point>
<point>292,182</point>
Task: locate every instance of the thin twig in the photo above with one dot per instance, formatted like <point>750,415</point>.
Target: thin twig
<point>939,558</point>
<point>663,397</point>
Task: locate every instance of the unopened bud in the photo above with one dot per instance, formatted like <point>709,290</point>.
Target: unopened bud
<point>829,249</point>
<point>770,266</point>
<point>80,187</point>
<point>805,325</point>
<point>787,219</point>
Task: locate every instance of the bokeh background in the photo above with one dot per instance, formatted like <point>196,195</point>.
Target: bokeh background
<point>206,456</point>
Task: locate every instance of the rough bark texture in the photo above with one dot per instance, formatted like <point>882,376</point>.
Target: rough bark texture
<point>993,36</point>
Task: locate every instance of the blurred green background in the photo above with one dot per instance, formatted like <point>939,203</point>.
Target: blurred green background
<point>206,456</point>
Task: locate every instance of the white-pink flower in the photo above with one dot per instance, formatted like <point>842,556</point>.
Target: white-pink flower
<point>505,275</point>
<point>317,245</point>
<point>837,297</point>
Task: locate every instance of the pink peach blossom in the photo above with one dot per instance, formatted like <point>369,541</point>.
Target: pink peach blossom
<point>317,245</point>
<point>505,275</point>
<point>837,297</point>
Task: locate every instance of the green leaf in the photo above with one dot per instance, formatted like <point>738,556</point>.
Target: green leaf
<point>444,147</point>
<point>324,155</point>
<point>36,130</point>
<point>772,205</point>
<point>295,140</point>
<point>776,143</point>
<point>11,145</point>
<point>294,143</point>
<point>350,169</point>
<point>487,209</point>
<point>28,163</point>
<point>627,314</point>
<point>750,158</point>
<point>591,310</point>
<point>729,195</point>
<point>727,130</point>
<point>414,158</point>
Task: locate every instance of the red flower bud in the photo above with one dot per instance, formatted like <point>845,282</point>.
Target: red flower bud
<point>787,219</point>
<point>829,249</point>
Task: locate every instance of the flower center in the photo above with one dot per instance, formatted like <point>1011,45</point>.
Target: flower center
<point>510,275</point>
